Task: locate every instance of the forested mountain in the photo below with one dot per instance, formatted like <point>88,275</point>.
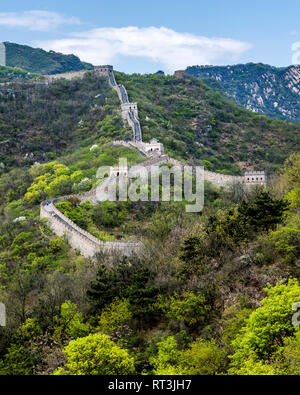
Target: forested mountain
<point>36,60</point>
<point>192,121</point>
<point>211,293</point>
<point>258,87</point>
<point>8,74</point>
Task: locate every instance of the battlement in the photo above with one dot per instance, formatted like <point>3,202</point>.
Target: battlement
<point>119,171</point>
<point>129,107</point>
<point>255,177</point>
<point>180,74</point>
<point>104,69</point>
<point>154,147</point>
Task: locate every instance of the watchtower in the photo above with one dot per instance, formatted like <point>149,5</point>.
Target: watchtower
<point>129,107</point>
<point>104,70</point>
<point>119,171</point>
<point>255,177</point>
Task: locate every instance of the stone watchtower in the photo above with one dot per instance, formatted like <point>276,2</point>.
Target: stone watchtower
<point>104,70</point>
<point>129,107</point>
<point>2,54</point>
<point>255,177</point>
<point>180,74</point>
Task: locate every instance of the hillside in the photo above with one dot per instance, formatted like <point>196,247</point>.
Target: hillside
<point>36,60</point>
<point>39,122</point>
<point>192,121</point>
<point>8,74</point>
<point>196,123</point>
<point>211,293</point>
<point>258,87</point>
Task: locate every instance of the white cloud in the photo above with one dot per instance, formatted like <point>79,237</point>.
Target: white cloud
<point>35,20</point>
<point>165,46</point>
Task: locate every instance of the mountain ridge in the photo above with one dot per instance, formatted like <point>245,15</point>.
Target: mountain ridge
<point>37,60</point>
<point>261,88</point>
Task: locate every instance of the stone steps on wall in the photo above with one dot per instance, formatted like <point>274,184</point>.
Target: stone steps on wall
<point>80,239</point>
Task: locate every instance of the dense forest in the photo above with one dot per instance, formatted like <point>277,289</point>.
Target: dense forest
<point>211,293</point>
<point>36,60</point>
<point>193,122</point>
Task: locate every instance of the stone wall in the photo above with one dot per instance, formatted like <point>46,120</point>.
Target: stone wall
<point>2,54</point>
<point>78,238</point>
<point>67,76</point>
<point>127,107</point>
<point>217,179</point>
<point>255,177</point>
<point>129,110</point>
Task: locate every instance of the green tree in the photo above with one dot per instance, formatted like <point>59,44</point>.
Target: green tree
<point>264,211</point>
<point>267,326</point>
<point>290,358</point>
<point>115,317</point>
<point>286,239</point>
<point>22,355</point>
<point>96,355</point>
<point>166,361</point>
<point>203,357</point>
<point>190,309</point>
<point>70,323</point>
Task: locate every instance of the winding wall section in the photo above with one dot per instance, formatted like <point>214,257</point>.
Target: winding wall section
<point>78,238</point>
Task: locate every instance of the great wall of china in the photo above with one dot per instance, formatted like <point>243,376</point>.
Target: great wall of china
<point>86,243</point>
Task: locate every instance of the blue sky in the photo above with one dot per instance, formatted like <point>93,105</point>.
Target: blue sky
<point>144,36</point>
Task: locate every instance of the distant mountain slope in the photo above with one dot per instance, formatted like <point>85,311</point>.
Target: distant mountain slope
<point>8,74</point>
<point>195,123</point>
<point>261,88</point>
<point>36,60</point>
<point>40,122</point>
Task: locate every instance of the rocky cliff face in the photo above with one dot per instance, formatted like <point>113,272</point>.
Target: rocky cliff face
<point>258,87</point>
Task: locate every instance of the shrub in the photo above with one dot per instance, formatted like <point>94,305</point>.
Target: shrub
<point>96,355</point>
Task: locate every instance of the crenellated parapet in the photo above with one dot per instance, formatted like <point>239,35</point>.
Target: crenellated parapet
<point>78,238</point>
<point>255,177</point>
<point>86,243</point>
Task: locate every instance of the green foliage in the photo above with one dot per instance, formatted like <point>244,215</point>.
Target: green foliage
<point>286,240</point>
<point>228,228</point>
<point>70,322</point>
<point>53,181</point>
<point>191,309</point>
<point>50,117</point>
<point>291,169</point>
<point>22,355</point>
<point>209,122</point>
<point>265,211</point>
<point>126,280</point>
<point>233,325</point>
<point>115,317</point>
<point>96,355</point>
<point>203,357</point>
<point>109,214</point>
<point>15,73</point>
<point>255,367</point>
<point>290,357</point>
<point>166,362</point>
<point>267,326</point>
<point>37,60</point>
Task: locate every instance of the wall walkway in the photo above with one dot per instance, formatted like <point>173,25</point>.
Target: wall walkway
<point>87,244</point>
